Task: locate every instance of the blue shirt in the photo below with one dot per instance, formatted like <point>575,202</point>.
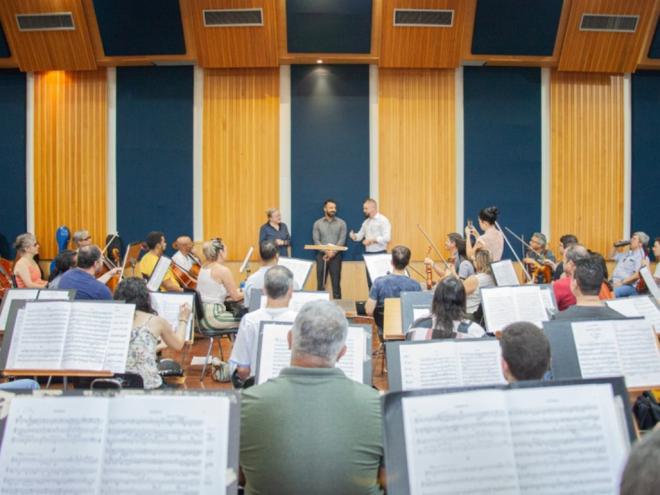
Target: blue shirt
<point>268,233</point>
<point>627,264</point>
<point>392,286</point>
<point>87,287</point>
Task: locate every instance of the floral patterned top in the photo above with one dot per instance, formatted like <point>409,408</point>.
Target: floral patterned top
<point>142,356</point>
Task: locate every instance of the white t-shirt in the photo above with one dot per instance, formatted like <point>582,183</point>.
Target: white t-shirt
<point>244,352</point>
<point>473,300</point>
<point>183,261</point>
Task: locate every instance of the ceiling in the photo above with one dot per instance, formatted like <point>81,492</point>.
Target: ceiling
<point>543,33</point>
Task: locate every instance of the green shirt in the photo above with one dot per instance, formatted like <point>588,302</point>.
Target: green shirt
<point>311,431</point>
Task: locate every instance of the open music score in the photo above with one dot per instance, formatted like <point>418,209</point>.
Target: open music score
<point>298,299</point>
<point>504,273</point>
<point>110,444</point>
<point>532,437</point>
<point>505,305</point>
<point>168,304</point>
<point>443,363</point>
<point>79,336</point>
<point>300,269</point>
<point>637,306</point>
<point>32,294</point>
<point>274,354</point>
<point>378,265</point>
<point>158,273</point>
<point>601,348</point>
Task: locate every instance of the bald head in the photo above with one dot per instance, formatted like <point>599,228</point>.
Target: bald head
<point>183,244</point>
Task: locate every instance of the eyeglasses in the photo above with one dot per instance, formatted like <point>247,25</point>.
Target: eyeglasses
<point>88,238</point>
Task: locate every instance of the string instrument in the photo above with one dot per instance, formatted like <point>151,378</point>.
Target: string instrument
<point>108,263</point>
<point>530,278</point>
<point>434,247</point>
<point>185,278</point>
<point>196,266</point>
<point>115,259</point>
<point>429,272</point>
<point>6,276</point>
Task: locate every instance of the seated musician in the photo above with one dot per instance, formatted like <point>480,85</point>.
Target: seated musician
<point>81,238</point>
<point>641,475</point>
<point>525,352</point>
<point>216,287</point>
<point>565,242</point>
<point>656,253</point>
<point>455,244</point>
<point>448,319</point>
<point>392,284</point>
<point>628,263</point>
<point>312,430</point>
<point>156,244</point>
<point>82,278</point>
<point>26,269</point>
<point>148,330</point>
<point>562,287</point>
<point>474,283</point>
<point>586,284</point>
<point>278,286</point>
<point>184,257</point>
<point>269,254</point>
<point>539,257</point>
<point>492,239</point>
<point>64,261</point>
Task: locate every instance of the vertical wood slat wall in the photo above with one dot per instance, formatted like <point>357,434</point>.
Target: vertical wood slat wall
<point>70,154</point>
<point>587,136</point>
<point>417,154</point>
<point>240,154</point>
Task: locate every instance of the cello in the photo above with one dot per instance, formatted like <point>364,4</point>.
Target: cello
<point>6,276</point>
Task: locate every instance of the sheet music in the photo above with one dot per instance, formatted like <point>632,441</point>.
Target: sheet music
<point>567,439</point>
<point>156,442</point>
<point>421,312</point>
<point>299,268</point>
<point>352,362</point>
<point>167,305</point>
<point>53,295</point>
<point>505,305</point>
<point>120,338</point>
<point>450,364</point>
<point>51,445</point>
<point>634,307</point>
<point>650,282</point>
<point>275,354</point>
<point>299,298</point>
<point>546,297</point>
<point>504,273</point>
<point>39,343</point>
<point>88,336</point>
<point>459,443</point>
<point>618,347</point>
<point>14,295</point>
<point>529,304</point>
<point>158,274</point>
<point>378,265</point>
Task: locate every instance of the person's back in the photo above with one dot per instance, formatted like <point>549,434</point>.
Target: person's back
<point>86,286</point>
<point>312,431</point>
<point>392,285</point>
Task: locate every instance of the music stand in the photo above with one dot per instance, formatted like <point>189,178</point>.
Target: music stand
<point>325,247</point>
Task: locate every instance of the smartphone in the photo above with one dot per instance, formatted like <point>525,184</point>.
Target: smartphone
<point>469,222</point>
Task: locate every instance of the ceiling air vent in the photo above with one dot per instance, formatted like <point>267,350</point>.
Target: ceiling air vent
<point>52,21</point>
<point>233,17</point>
<point>423,18</point>
<point>609,23</point>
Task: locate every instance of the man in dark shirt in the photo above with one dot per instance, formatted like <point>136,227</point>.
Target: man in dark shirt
<point>329,229</point>
<point>394,283</point>
<point>587,278</point>
<point>83,277</point>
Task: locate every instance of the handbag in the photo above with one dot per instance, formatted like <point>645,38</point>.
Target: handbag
<point>646,411</point>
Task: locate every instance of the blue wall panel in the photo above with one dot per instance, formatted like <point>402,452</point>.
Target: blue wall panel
<point>4,47</point>
<point>516,27</point>
<point>12,158</point>
<point>645,152</point>
<point>502,112</point>
<point>328,26</point>
<point>154,151</point>
<point>654,49</point>
<point>140,27</point>
<point>329,148</point>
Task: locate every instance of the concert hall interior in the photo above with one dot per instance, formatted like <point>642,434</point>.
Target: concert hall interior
<point>214,125</point>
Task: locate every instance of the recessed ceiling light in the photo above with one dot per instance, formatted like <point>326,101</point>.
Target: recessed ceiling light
<point>319,61</point>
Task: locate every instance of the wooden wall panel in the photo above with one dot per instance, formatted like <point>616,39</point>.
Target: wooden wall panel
<point>587,158</point>
<point>424,47</point>
<point>589,51</point>
<point>240,154</point>
<point>48,50</point>
<point>70,154</point>
<point>417,150</point>
<point>235,46</point>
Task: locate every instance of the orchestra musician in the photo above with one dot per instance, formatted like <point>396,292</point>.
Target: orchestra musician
<point>463,267</point>
<point>275,230</point>
<point>491,239</point>
<point>184,257</point>
<point>26,269</point>
<point>656,253</point>
<point>156,244</point>
<point>539,259</point>
<point>628,263</point>
<point>81,238</point>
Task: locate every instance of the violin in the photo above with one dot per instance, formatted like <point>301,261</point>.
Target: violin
<point>113,282</point>
<point>6,276</point>
<point>429,272</point>
<point>541,271</point>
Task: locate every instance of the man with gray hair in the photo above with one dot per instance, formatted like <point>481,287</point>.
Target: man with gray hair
<point>312,429</point>
<point>628,263</point>
<point>641,475</point>
<point>562,287</point>
<point>278,286</point>
<point>539,254</point>
<point>81,238</point>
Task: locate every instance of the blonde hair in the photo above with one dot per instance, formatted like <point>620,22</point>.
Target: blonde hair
<point>24,241</point>
<point>212,248</point>
<point>270,211</point>
<point>482,261</point>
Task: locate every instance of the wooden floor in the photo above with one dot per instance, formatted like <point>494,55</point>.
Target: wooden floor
<point>200,346</point>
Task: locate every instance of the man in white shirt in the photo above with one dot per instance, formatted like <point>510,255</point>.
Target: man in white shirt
<point>278,285</point>
<point>184,257</point>
<point>375,232</point>
<point>269,254</point>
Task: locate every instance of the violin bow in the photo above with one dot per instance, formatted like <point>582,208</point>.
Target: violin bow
<point>434,247</point>
<point>522,265</point>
